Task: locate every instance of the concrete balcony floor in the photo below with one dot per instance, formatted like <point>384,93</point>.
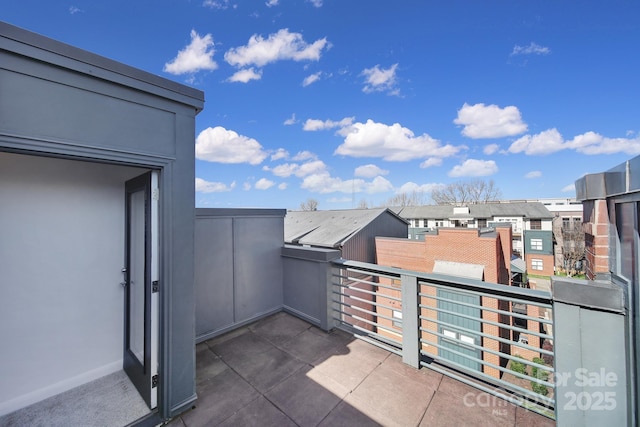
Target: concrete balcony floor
<point>282,371</point>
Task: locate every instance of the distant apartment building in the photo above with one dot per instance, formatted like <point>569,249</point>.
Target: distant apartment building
<point>481,254</point>
<point>531,224</point>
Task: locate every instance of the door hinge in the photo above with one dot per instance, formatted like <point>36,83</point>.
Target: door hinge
<point>155,286</point>
<point>155,194</point>
<point>154,381</point>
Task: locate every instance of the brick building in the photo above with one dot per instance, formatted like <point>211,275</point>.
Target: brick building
<point>531,225</point>
<point>470,253</point>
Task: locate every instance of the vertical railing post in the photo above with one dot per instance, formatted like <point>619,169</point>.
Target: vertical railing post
<point>410,321</point>
<point>328,321</point>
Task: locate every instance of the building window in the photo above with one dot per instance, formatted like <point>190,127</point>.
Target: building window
<point>397,319</point>
<point>566,223</point>
<point>482,223</point>
<point>536,224</point>
<point>536,264</point>
<point>439,223</point>
<point>536,244</point>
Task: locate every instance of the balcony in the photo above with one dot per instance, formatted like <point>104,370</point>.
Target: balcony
<point>505,348</point>
<point>292,335</point>
<point>283,371</point>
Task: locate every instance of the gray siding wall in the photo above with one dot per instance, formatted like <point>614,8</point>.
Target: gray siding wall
<point>306,274</point>
<point>547,241</point>
<point>362,246</point>
<point>593,354</point>
<point>60,101</point>
<point>238,267</point>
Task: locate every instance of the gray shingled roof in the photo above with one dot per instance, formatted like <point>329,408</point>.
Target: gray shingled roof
<point>328,228</point>
<point>489,210</point>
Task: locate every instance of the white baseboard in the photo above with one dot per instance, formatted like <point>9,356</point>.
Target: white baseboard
<point>32,397</point>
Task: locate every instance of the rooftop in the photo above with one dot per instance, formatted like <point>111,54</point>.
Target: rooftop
<point>330,228</point>
<point>534,210</point>
<point>282,371</point>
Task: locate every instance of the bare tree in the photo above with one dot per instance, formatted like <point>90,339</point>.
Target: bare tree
<point>414,198</point>
<point>363,204</point>
<point>309,205</point>
<point>464,192</point>
<point>570,239</point>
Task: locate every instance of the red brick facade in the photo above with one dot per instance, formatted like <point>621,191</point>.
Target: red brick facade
<point>596,239</point>
<point>547,262</point>
<point>463,245</point>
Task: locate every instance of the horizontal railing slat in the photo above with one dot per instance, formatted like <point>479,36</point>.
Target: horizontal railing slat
<point>357,310</point>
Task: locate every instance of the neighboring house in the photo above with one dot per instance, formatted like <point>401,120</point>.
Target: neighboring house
<point>96,226</point>
<point>481,254</point>
<point>539,252</point>
<point>352,231</point>
<point>523,217</point>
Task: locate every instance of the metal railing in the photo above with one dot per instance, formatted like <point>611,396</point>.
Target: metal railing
<point>494,337</point>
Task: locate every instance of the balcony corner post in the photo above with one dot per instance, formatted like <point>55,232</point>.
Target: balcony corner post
<point>410,321</point>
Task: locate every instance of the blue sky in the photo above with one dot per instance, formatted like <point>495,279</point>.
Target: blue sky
<point>351,101</point>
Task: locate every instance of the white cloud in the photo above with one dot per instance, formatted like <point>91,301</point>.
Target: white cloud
<point>589,143</point>
<point>411,187</point>
<point>315,124</point>
<point>264,184</point>
<point>283,171</point>
<point>532,49</point>
<point>203,186</point>
<point>300,170</point>
<point>369,171</point>
<point>316,3</point>
<point>246,186</point>
<point>282,186</point>
<point>281,153</point>
<point>568,188</point>
<point>311,79</point>
<point>245,76</point>
<point>380,80</point>
<point>593,143</point>
<point>271,3</point>
<point>291,120</point>
<point>490,149</point>
<point>546,142</point>
<point>324,183</point>
<point>431,161</point>
<point>216,4</point>
<point>73,10</point>
<point>533,174</point>
<point>282,45</point>
<point>226,146</point>
<point>392,143</point>
<point>474,167</point>
<point>304,155</point>
<point>490,121</point>
<point>197,56</point>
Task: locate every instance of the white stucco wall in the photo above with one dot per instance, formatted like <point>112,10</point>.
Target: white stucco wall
<point>61,254</point>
